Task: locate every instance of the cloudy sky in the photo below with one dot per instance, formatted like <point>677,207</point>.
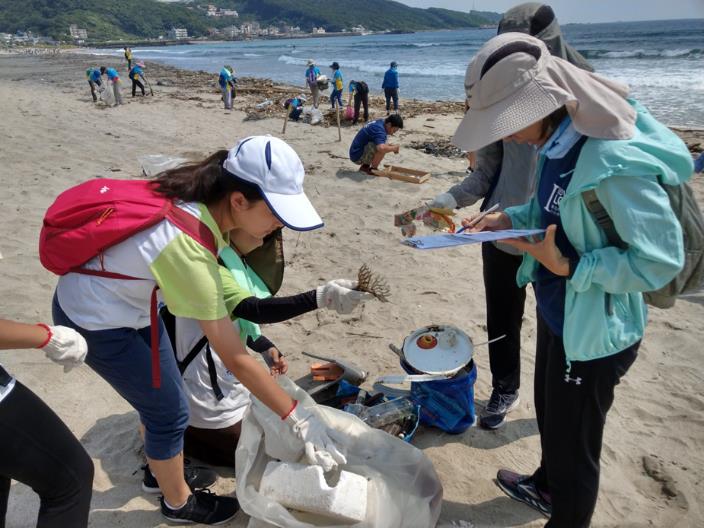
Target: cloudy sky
<point>586,10</point>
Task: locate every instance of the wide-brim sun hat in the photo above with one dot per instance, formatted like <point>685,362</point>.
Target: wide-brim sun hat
<point>513,82</point>
<point>271,165</point>
<point>310,62</point>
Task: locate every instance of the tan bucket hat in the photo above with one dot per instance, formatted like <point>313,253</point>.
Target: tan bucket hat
<point>514,82</point>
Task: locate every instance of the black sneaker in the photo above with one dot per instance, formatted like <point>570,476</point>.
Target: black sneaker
<point>500,404</point>
<point>197,477</point>
<point>523,489</point>
<point>202,507</point>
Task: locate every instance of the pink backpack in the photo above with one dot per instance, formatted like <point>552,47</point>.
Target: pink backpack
<point>87,219</point>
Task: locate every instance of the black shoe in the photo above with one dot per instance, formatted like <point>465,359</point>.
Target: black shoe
<point>500,404</point>
<point>202,507</point>
<point>523,489</point>
<point>197,477</point>
<point>367,169</point>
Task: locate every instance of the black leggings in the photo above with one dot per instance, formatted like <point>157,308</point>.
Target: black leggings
<point>37,449</point>
<point>135,84</point>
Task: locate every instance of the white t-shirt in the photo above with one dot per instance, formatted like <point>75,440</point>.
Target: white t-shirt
<point>186,272</point>
<point>206,411</point>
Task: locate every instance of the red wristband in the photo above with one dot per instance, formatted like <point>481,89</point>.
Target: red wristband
<point>48,337</point>
<point>293,408</point>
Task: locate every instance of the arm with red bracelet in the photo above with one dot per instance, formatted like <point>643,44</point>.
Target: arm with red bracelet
<point>61,344</point>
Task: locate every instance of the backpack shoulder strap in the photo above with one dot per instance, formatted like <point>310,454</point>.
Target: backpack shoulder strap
<point>194,227</point>
<point>213,373</point>
<point>602,218</point>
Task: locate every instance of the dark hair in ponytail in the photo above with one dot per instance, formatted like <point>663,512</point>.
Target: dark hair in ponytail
<point>203,181</point>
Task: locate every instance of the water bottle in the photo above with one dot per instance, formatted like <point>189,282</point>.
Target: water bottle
<point>357,409</point>
<point>389,412</point>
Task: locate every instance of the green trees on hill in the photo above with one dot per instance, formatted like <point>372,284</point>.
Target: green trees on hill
<point>372,14</point>
<point>129,19</point>
<point>104,19</point>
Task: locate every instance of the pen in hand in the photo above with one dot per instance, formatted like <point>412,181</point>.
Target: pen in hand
<point>479,217</point>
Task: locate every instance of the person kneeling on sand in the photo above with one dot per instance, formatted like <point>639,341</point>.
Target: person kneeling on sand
<point>36,447</point>
<point>257,186</point>
<point>591,315</point>
<point>369,146</point>
<point>216,398</point>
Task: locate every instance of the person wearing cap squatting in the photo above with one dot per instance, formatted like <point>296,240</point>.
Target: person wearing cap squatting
<point>590,310</point>
<point>338,86</point>
<point>391,87</point>
<point>505,174</point>
<point>251,273</point>
<point>256,187</point>
<point>312,73</point>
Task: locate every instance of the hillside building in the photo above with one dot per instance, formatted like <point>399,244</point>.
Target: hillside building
<point>177,33</point>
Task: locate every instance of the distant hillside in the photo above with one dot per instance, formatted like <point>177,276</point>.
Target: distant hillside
<point>104,19</point>
<point>129,19</point>
<point>336,15</point>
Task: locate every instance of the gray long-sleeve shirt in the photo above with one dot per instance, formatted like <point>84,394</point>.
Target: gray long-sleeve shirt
<point>516,181</point>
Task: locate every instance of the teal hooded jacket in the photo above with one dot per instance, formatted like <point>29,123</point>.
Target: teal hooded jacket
<point>604,308</point>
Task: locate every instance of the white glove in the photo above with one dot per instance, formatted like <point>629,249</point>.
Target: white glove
<point>320,446</point>
<point>66,347</point>
<point>340,295</point>
<point>443,201</point>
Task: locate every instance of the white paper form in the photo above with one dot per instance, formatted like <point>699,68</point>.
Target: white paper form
<point>453,239</point>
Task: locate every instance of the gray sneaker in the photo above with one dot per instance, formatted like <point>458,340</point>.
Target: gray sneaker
<point>500,404</point>
<point>202,507</point>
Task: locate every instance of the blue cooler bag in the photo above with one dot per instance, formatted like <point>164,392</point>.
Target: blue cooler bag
<point>447,404</point>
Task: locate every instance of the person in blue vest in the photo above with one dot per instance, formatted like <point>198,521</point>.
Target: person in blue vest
<point>312,74</point>
<point>135,74</point>
<point>338,86</point>
<point>591,315</point>
<point>295,106</point>
<point>227,81</point>
<point>504,175</point>
<point>369,145</point>
<point>93,76</point>
<point>114,81</point>
<point>390,86</point>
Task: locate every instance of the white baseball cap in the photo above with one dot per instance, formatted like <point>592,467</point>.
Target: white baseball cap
<point>274,167</point>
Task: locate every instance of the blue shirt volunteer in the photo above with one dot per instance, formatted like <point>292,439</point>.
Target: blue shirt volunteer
<point>371,132</point>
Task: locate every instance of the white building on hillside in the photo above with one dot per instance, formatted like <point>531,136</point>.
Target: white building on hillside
<point>77,33</point>
<point>177,33</point>
<point>318,30</point>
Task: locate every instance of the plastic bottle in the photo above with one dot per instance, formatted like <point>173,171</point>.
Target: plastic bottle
<point>357,409</point>
<point>264,104</point>
<point>389,412</point>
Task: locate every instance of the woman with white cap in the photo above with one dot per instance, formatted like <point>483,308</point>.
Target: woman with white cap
<point>256,187</point>
<point>590,310</point>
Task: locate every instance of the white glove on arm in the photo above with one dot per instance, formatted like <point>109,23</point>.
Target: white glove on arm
<point>65,346</point>
<point>443,201</point>
<point>340,295</point>
<point>320,447</point>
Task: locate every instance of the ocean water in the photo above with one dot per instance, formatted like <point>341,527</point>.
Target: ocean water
<point>662,61</point>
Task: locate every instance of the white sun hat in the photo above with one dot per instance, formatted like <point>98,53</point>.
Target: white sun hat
<point>274,167</point>
<point>514,82</point>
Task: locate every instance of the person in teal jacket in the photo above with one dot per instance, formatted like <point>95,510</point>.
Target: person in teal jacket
<point>591,315</point>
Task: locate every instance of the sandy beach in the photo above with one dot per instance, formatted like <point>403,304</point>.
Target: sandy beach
<point>53,136</point>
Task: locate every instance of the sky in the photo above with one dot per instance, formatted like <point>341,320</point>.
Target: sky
<point>576,11</point>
